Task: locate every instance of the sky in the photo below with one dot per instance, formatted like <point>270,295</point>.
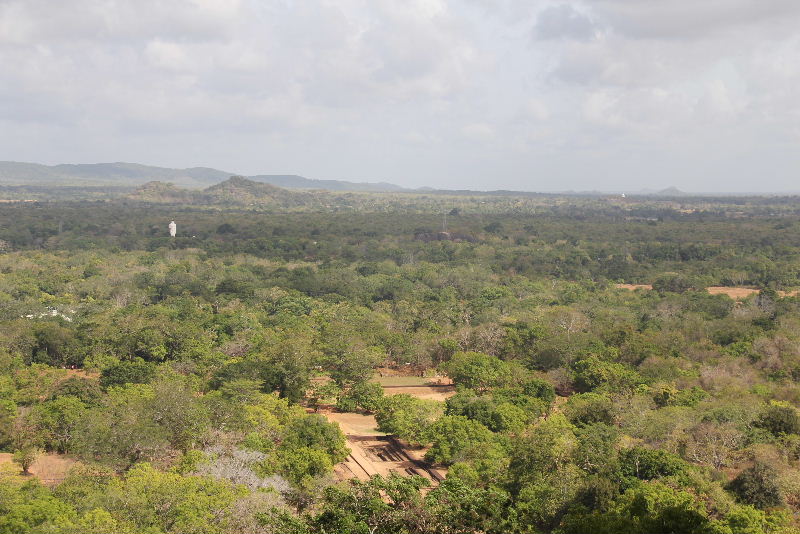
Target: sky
<point>534,95</point>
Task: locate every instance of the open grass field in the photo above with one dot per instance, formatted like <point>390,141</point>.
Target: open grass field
<point>50,469</point>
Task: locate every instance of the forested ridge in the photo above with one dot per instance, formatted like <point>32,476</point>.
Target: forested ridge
<point>189,381</point>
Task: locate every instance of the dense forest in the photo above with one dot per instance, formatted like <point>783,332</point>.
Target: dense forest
<point>193,384</point>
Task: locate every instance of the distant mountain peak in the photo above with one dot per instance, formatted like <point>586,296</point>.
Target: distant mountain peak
<point>671,191</point>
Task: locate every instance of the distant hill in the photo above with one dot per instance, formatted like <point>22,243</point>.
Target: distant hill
<point>671,192</point>
<point>238,190</point>
<point>134,174</point>
<point>156,191</point>
<point>235,191</point>
<point>130,174</point>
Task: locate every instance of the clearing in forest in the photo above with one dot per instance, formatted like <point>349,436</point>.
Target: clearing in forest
<point>633,286</point>
<point>50,469</point>
<point>736,293</point>
<point>439,389</point>
<point>376,453</point>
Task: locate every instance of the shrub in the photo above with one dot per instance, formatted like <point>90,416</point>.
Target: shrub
<point>454,436</point>
<point>757,485</point>
<point>587,408</point>
<point>135,371</point>
<point>364,396</point>
<point>647,464</point>
<point>779,420</point>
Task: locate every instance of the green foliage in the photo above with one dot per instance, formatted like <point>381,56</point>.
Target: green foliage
<point>142,422</point>
<point>588,408</point>
<point>135,371</point>
<point>456,438</point>
<point>26,457</point>
<point>646,509</point>
<point>758,486</point>
<point>84,389</point>
<point>301,464</point>
<point>649,464</point>
<point>597,448</point>
<point>673,283</point>
<point>390,504</point>
<point>315,432</point>
<point>407,417</point>
<point>27,507</point>
<point>152,499</point>
<point>57,420</point>
<point>498,415</point>
<point>592,373</point>
<point>481,372</point>
<point>457,506</point>
<point>8,411</point>
<point>364,396</point>
<point>543,450</point>
<point>779,420</point>
<point>212,349</point>
<point>670,396</point>
<point>357,367</point>
<point>540,389</point>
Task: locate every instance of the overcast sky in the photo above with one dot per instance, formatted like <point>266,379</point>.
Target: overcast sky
<point>480,94</point>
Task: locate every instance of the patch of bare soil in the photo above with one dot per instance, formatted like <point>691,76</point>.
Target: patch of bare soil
<point>431,392</point>
<point>736,293</point>
<point>50,469</point>
<point>375,453</point>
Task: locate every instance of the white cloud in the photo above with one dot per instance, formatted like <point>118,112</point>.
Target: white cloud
<point>478,131</point>
<point>563,21</point>
<point>450,91</point>
<point>691,19</point>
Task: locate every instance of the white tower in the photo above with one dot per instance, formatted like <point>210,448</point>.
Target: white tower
<point>173,229</point>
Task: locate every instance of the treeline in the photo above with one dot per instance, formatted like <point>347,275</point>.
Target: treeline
<point>717,250</point>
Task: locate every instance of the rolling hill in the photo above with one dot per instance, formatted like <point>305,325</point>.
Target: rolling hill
<point>235,191</point>
<point>134,174</point>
